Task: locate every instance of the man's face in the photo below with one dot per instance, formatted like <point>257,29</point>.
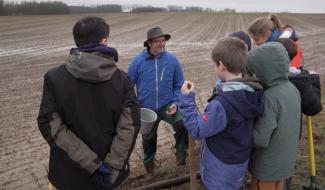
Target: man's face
<point>157,45</point>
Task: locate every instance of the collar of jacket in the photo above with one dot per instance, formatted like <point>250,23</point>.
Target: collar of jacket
<point>253,82</point>
<point>150,56</point>
<point>246,83</point>
<point>275,35</point>
<point>103,49</point>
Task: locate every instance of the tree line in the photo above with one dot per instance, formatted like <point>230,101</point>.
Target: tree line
<point>57,7</point>
<point>96,9</point>
<point>54,7</point>
<point>170,9</point>
<point>33,8</point>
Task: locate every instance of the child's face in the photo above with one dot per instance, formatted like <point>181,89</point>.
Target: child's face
<point>260,39</point>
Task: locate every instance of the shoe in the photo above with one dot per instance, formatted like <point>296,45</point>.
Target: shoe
<point>180,158</point>
<point>150,167</point>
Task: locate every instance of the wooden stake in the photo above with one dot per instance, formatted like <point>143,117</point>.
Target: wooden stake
<point>193,164</point>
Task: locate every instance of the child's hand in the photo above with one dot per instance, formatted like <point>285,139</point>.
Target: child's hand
<point>187,87</point>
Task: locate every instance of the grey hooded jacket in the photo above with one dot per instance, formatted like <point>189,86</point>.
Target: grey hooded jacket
<point>276,134</point>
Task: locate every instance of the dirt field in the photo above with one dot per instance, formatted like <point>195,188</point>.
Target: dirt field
<point>31,45</point>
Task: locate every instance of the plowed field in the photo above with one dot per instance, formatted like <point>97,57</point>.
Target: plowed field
<point>31,45</point>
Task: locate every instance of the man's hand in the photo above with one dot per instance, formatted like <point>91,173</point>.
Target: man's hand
<point>187,87</point>
<point>172,109</point>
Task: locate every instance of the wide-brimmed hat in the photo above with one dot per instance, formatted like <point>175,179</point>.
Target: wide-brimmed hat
<point>155,32</point>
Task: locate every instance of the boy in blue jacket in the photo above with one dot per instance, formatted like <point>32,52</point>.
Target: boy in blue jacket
<point>227,123</point>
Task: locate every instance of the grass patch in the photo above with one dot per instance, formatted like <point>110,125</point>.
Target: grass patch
<point>167,170</point>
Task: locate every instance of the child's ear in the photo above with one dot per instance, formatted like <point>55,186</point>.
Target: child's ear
<point>103,41</point>
<point>222,66</point>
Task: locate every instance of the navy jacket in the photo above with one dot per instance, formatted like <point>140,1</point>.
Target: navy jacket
<point>226,125</point>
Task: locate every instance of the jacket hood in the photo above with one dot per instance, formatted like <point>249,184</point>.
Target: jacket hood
<point>243,98</point>
<point>252,82</point>
<point>91,67</point>
<point>270,63</point>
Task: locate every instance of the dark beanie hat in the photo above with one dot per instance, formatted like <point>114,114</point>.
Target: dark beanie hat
<point>243,36</point>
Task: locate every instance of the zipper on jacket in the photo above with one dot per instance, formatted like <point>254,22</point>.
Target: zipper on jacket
<point>157,103</point>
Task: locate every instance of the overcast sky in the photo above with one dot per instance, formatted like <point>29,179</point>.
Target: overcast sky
<point>297,6</point>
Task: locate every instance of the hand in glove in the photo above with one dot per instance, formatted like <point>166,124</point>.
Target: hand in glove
<point>101,176</point>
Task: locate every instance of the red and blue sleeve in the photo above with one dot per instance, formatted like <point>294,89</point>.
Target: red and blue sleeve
<point>209,123</point>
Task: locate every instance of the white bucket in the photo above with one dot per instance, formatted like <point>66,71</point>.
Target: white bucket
<point>148,119</point>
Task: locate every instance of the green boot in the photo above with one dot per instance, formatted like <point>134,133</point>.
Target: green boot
<point>180,158</point>
<point>150,167</point>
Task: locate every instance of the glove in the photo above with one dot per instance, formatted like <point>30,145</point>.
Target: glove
<point>101,176</point>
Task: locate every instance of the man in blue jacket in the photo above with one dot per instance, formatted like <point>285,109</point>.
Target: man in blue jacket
<point>158,77</point>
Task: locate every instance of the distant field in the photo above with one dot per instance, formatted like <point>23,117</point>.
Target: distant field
<point>31,45</point>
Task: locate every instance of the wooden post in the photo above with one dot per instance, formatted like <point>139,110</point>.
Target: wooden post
<point>193,164</point>
<point>167,183</point>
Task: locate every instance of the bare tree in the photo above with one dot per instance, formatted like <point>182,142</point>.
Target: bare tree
<point>149,9</point>
<point>2,7</point>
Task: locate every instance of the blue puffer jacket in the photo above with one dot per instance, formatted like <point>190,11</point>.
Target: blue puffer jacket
<point>158,80</point>
<point>276,34</point>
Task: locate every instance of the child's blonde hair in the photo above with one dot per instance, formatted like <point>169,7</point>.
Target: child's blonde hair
<point>261,25</point>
